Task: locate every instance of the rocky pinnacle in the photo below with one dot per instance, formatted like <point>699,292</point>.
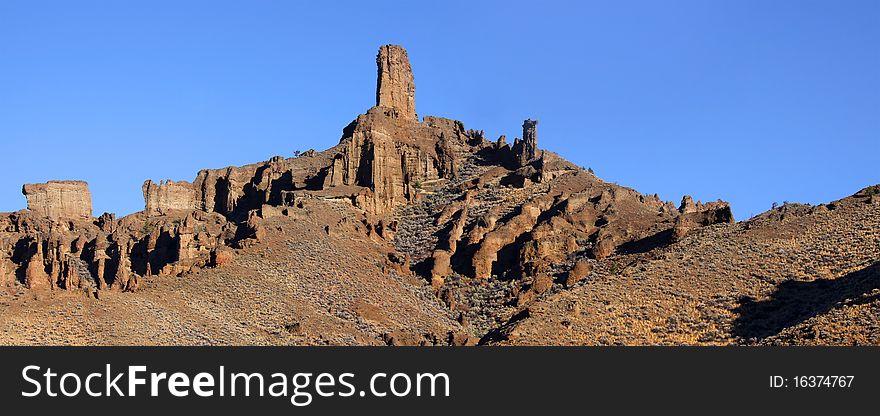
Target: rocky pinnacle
<point>395,87</point>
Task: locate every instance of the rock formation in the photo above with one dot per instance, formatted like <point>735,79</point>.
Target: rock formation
<point>36,277</point>
<point>395,88</point>
<point>339,246</point>
<point>392,159</point>
<point>515,212</point>
<point>169,195</point>
<point>59,199</point>
<point>525,150</point>
<point>695,215</point>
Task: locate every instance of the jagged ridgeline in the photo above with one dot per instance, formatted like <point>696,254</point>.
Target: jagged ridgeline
<point>417,230</point>
<point>496,209</point>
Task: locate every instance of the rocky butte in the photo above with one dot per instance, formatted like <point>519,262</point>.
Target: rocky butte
<point>59,199</point>
<point>420,231</point>
<point>386,159</point>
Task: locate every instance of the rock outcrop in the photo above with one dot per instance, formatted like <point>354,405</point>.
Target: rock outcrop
<point>492,243</point>
<point>394,159</point>
<point>44,253</point>
<point>7,271</point>
<point>395,87</point>
<point>697,214</point>
<point>36,277</point>
<point>511,211</point>
<point>59,199</point>
<point>169,195</point>
<point>518,245</point>
<point>525,150</point>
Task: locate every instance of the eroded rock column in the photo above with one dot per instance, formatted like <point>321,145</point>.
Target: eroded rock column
<point>395,86</point>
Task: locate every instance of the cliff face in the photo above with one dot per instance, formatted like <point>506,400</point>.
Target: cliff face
<point>395,87</point>
<point>497,211</point>
<point>519,246</point>
<point>385,159</point>
<point>395,159</point>
<point>59,199</point>
<point>170,195</point>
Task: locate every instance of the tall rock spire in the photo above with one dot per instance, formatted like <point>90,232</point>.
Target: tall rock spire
<point>395,87</point>
<point>526,150</point>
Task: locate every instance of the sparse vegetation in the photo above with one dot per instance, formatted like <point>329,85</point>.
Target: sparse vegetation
<point>499,253</point>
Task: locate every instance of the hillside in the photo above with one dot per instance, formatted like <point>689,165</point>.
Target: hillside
<point>418,231</point>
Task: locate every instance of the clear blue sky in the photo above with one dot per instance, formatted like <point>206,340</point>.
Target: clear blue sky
<point>750,101</point>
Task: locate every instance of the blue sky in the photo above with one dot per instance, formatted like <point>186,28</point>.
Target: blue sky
<point>749,101</point>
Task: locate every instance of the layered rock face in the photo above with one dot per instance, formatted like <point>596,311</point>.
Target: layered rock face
<point>518,245</point>
<point>59,199</point>
<point>395,159</point>
<point>105,253</point>
<point>169,195</point>
<point>395,87</point>
<point>385,159</point>
<point>512,212</point>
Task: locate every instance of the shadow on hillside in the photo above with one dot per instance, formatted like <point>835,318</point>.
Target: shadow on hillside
<point>661,239</point>
<point>795,301</point>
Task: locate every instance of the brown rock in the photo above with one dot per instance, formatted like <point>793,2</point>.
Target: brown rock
<point>387,229</point>
<point>440,268</point>
<point>101,268</point>
<point>59,199</point>
<point>526,150</point>
<point>687,205</point>
<point>487,254</point>
<point>71,279</point>
<point>697,214</point>
<point>7,273</point>
<point>525,297</point>
<point>168,196</point>
<point>604,247</point>
<point>542,283</point>
<point>123,269</point>
<point>222,257</point>
<point>107,222</point>
<point>396,88</point>
<point>133,284</point>
<point>403,338</point>
<point>36,277</point>
<point>579,272</point>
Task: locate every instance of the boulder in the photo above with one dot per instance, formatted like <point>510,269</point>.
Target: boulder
<point>579,272</point>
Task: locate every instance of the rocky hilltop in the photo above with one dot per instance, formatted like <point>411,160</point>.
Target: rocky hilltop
<point>418,231</point>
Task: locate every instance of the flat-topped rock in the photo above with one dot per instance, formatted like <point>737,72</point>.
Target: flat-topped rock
<point>169,195</point>
<point>59,199</point>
